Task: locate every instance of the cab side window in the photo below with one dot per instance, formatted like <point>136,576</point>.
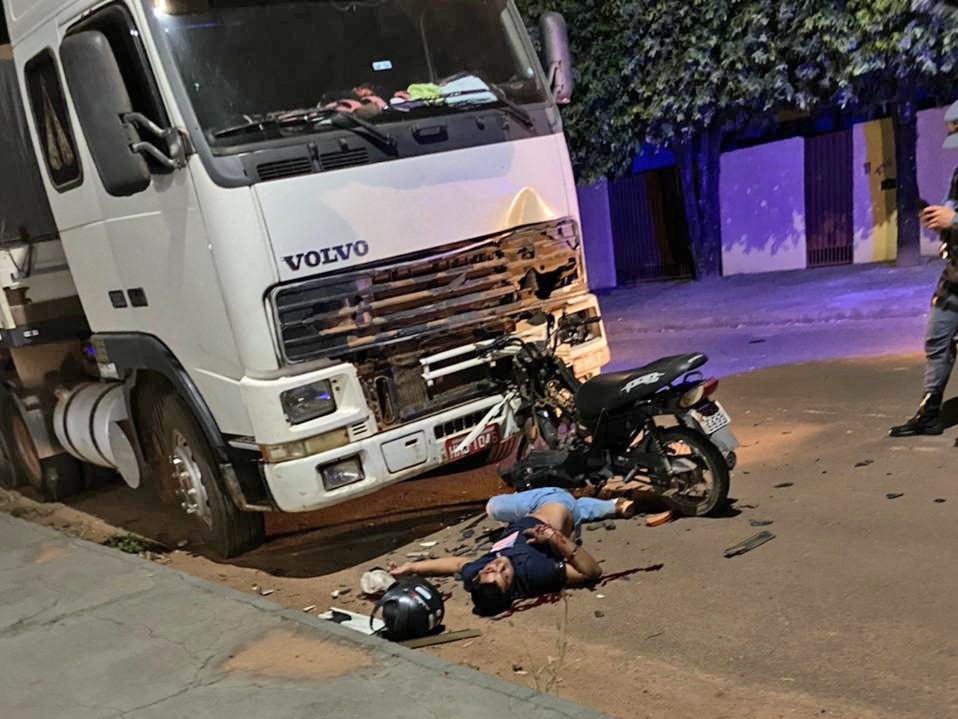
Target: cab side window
<point>116,23</point>
<point>57,143</point>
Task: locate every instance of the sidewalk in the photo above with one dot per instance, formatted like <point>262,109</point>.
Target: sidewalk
<point>848,292</point>
<point>89,633</point>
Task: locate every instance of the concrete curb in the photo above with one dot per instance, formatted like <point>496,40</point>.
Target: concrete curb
<point>768,320</point>
<point>426,661</point>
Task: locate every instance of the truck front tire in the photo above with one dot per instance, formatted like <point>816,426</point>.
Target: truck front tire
<point>191,474</point>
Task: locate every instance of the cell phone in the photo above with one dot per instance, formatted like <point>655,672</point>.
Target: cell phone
<point>922,204</point>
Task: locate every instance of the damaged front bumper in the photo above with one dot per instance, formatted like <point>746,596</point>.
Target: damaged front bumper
<point>352,439</point>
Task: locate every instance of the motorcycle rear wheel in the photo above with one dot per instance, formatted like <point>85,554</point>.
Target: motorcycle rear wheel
<point>712,472</point>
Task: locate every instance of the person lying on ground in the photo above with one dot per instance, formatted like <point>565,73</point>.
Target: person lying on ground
<point>536,554</point>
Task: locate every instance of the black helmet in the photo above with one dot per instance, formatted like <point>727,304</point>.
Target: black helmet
<point>411,607</point>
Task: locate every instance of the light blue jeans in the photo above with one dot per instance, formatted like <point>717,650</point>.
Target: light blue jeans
<point>509,508</point>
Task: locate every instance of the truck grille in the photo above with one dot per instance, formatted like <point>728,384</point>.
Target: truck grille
<point>421,296</point>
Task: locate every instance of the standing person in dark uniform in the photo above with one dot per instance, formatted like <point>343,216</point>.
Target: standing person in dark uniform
<point>940,338</point>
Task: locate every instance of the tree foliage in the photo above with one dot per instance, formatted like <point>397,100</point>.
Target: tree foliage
<point>661,70</point>
<point>685,73</point>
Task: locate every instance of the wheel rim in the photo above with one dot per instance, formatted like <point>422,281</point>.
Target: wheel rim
<point>27,453</point>
<point>188,476</point>
<point>698,479</point>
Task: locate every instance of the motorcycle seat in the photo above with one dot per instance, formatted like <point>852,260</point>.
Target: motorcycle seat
<point>616,390</point>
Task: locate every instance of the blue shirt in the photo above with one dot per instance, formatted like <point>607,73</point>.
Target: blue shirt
<point>537,569</point>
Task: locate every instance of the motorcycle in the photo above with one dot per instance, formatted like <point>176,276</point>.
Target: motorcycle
<point>574,434</point>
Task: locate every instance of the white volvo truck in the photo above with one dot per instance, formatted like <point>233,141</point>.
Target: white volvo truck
<point>248,248</point>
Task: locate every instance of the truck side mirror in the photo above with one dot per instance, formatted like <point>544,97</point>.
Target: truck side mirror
<point>102,103</point>
<point>557,57</point>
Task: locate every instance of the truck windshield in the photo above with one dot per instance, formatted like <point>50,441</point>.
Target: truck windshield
<point>384,60</point>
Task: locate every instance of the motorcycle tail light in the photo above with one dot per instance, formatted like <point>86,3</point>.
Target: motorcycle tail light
<point>710,386</point>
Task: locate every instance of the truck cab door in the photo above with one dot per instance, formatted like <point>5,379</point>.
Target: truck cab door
<point>74,201</point>
<point>156,231</point>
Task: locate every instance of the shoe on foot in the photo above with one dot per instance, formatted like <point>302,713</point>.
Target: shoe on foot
<point>624,508</point>
<point>927,419</point>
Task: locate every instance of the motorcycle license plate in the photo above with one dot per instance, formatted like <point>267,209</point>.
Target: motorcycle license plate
<point>488,438</point>
<point>712,423</point>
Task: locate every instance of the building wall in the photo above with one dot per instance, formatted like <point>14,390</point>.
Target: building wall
<point>935,167</point>
<point>762,193</point>
<point>875,214</point>
<point>597,235</point>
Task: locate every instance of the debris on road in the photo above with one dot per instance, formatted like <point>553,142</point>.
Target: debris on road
<point>894,495</point>
<point>419,555</point>
<point>749,544</point>
<point>657,520</point>
<point>337,593</point>
<point>782,485</point>
<point>376,581</point>
<point>267,592</point>
<point>760,522</point>
<point>428,545</point>
<point>599,614</point>
<point>444,638</point>
<point>310,608</point>
<point>352,620</point>
<point>940,500</point>
<point>600,596</point>
<point>865,463</point>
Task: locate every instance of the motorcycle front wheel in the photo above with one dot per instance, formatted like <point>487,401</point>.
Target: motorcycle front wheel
<point>704,490</point>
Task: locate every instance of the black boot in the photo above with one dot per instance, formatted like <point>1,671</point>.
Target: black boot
<point>927,419</point>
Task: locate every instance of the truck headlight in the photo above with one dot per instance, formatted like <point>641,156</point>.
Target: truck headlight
<point>348,471</point>
<point>308,402</point>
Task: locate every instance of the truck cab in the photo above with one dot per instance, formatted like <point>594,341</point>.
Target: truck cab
<point>283,230</point>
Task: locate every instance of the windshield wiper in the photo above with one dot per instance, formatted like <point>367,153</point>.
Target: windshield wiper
<point>511,107</point>
<point>348,121</point>
<point>311,117</point>
<point>277,119</point>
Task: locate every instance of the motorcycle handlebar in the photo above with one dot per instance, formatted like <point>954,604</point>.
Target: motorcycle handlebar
<point>565,324</point>
<point>572,324</point>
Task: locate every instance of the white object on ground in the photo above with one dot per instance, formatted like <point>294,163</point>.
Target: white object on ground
<point>376,581</point>
<point>356,622</point>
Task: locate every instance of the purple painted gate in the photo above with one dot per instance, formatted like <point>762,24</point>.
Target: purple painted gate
<point>649,231</point>
<point>828,199</point>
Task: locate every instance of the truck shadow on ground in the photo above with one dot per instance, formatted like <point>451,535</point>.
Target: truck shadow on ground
<point>331,549</point>
<point>315,543</point>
